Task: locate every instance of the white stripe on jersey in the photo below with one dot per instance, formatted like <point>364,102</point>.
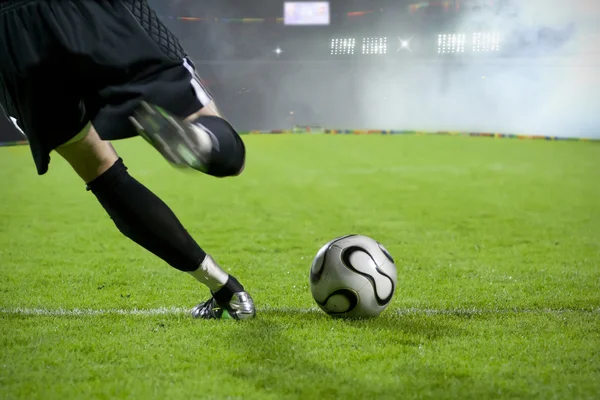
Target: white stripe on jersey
<point>201,92</point>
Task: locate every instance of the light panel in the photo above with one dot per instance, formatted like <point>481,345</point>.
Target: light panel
<point>374,46</point>
<point>486,42</point>
<point>451,43</point>
<point>343,46</point>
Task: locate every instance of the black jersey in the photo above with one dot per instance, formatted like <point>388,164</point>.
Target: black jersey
<point>67,63</point>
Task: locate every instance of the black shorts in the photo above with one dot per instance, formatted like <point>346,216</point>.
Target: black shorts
<point>65,63</point>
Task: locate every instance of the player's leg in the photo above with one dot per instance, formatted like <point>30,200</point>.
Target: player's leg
<point>144,218</point>
<point>211,110</point>
<point>58,74</point>
<point>151,66</point>
<point>89,156</point>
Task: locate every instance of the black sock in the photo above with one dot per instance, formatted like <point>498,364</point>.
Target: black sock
<point>144,218</point>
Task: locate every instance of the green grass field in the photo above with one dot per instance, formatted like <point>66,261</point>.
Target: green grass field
<point>497,244</point>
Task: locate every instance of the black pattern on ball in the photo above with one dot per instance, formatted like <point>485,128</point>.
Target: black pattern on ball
<point>315,276</point>
<point>346,253</point>
<point>385,252</point>
<point>349,294</point>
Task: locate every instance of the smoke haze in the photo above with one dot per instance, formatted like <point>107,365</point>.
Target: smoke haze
<point>545,82</point>
<point>538,91</point>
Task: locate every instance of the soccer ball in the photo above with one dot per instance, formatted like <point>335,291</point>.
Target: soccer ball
<point>353,276</point>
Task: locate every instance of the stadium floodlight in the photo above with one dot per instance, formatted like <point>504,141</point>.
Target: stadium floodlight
<point>343,46</point>
<point>451,43</point>
<point>374,45</point>
<point>486,42</point>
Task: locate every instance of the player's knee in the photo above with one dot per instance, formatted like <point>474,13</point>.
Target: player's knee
<point>88,154</point>
<point>228,157</point>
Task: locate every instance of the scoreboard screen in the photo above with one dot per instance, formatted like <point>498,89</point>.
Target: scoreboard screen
<point>306,13</point>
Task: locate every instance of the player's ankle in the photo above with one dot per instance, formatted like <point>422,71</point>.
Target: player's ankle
<point>210,274</point>
<point>224,294</point>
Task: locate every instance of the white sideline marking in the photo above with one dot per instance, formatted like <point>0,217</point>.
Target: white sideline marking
<point>89,311</point>
<point>492,311</point>
<point>179,310</point>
